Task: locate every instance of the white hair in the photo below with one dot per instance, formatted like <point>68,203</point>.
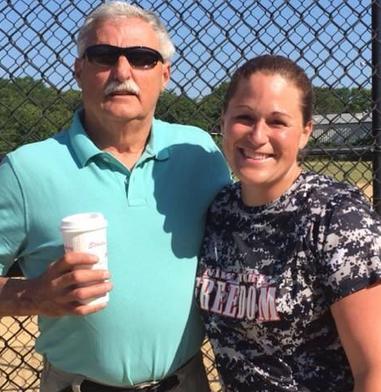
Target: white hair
<point>120,9</point>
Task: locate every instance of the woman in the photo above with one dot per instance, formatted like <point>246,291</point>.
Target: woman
<point>288,281</point>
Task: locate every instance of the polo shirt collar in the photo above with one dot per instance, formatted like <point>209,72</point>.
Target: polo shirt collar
<point>82,145</point>
<point>85,149</point>
<point>157,145</point>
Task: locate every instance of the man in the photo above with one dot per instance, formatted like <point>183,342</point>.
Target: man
<point>152,181</point>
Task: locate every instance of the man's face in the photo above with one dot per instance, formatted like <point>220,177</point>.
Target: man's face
<point>123,106</point>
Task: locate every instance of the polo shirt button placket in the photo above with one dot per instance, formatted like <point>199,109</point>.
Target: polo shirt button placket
<point>126,184</point>
<point>135,192</point>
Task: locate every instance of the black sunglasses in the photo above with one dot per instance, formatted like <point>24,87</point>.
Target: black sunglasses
<point>140,57</point>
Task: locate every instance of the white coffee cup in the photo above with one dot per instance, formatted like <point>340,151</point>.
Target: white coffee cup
<point>86,233</point>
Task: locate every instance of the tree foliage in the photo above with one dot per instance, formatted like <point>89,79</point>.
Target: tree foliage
<point>30,110</point>
<point>342,100</point>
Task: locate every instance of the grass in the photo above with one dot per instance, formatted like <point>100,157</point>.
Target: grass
<point>358,173</point>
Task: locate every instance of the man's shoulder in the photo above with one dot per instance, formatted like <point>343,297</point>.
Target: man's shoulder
<point>183,132</point>
<point>40,152</point>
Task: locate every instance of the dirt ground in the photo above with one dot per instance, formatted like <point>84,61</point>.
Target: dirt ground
<point>19,363</point>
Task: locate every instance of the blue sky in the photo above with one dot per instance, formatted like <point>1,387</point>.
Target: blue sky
<point>330,39</point>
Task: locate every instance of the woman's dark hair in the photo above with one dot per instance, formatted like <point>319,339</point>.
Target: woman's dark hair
<point>274,65</point>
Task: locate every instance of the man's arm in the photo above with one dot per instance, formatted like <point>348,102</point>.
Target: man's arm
<point>58,291</point>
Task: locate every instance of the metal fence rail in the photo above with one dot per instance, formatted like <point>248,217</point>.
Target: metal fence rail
<point>336,42</point>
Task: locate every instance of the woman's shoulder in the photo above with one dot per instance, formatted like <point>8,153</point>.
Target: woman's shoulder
<point>226,203</point>
<point>337,210</point>
<point>227,194</point>
<point>324,192</point>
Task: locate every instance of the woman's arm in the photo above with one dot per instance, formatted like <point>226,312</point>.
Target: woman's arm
<point>358,321</point>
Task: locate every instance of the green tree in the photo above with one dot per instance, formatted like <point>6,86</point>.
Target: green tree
<point>30,111</point>
<point>342,100</point>
<point>210,108</point>
<point>176,108</point>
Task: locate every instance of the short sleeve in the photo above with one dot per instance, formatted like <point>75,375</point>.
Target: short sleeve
<point>218,170</point>
<point>350,257</point>
<point>12,216</point>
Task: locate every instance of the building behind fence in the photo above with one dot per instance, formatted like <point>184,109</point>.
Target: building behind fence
<point>332,40</point>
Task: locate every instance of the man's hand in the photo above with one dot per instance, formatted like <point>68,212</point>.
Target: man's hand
<point>61,290</point>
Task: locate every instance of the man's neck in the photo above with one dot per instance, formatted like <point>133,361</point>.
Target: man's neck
<point>126,141</point>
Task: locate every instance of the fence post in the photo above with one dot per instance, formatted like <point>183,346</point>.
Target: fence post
<point>376,100</point>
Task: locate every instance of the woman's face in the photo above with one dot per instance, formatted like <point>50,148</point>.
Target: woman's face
<point>262,133</point>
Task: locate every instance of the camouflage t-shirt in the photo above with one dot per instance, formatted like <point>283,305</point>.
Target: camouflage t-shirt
<point>268,276</point>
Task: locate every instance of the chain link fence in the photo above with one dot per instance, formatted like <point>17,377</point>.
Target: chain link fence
<point>331,40</point>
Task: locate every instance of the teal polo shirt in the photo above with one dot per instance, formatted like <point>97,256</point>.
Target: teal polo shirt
<point>155,215</point>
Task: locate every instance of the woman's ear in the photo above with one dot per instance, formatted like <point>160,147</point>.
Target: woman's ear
<point>306,133</point>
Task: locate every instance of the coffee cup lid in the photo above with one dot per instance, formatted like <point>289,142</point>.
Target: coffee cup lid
<point>84,221</point>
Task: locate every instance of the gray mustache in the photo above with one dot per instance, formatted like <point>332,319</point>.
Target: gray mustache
<point>127,86</point>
